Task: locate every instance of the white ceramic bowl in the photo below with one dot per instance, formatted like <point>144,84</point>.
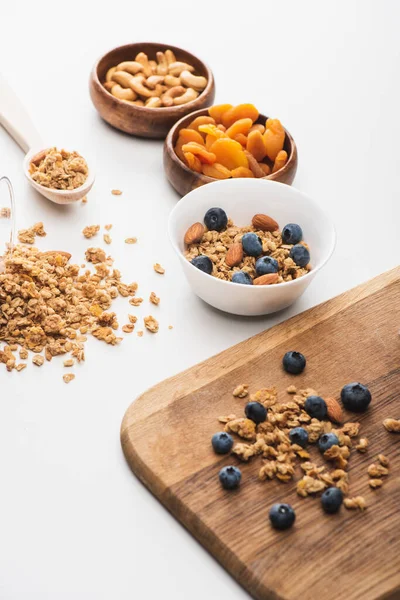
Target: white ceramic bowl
<point>242,199</point>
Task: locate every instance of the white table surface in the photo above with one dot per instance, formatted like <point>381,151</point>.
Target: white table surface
<point>74,521</point>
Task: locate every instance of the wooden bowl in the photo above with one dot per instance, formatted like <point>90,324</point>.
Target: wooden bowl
<point>184,180</point>
<point>139,120</point>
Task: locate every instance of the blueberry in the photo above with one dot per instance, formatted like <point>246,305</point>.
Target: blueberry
<point>215,219</point>
<point>282,516</point>
<point>327,440</point>
<point>299,436</point>
<point>300,255</point>
<point>242,277</point>
<point>222,442</point>
<point>294,362</point>
<point>256,412</point>
<point>355,396</point>
<point>331,500</point>
<point>266,264</point>
<point>203,263</point>
<point>252,244</point>
<point>230,477</point>
<point>316,407</point>
<point>292,234</point>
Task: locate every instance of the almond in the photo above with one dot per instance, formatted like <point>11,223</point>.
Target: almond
<point>234,256</point>
<point>264,222</point>
<point>194,233</point>
<point>266,279</point>
<point>334,410</point>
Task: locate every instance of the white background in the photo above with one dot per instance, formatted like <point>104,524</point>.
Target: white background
<point>74,522</point>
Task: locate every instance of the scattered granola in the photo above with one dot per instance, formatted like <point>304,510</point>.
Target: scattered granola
<point>95,255</point>
<point>170,326</point>
<point>132,318</point>
<point>159,269</point>
<point>128,328</point>
<point>38,360</point>
<point>68,377</point>
<point>59,169</point>
<point>292,389</point>
<point>362,445</point>
<point>21,366</point>
<point>375,483</point>
<point>136,301</point>
<point>27,236</point>
<point>5,212</point>
<point>154,299</point>
<point>84,200</point>
<point>140,333</point>
<point>90,230</point>
<point>377,471</point>
<point>69,362</point>
<point>383,460</point>
<point>116,192</point>
<point>392,425</point>
<point>131,240</point>
<point>107,238</point>
<point>108,226</point>
<point>241,391</point>
<point>354,503</point>
<point>151,324</point>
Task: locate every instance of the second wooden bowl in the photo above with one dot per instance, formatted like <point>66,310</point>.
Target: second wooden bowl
<point>139,120</point>
<point>184,180</point>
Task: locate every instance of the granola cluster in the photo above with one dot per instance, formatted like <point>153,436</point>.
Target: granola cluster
<point>215,245</point>
<point>270,441</point>
<point>59,169</point>
<point>49,305</point>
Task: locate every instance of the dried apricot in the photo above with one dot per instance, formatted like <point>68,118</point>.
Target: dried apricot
<point>266,168</point>
<point>210,139</point>
<point>178,150</point>
<point>217,171</point>
<point>221,127</point>
<point>253,165</point>
<point>242,139</point>
<point>218,110</point>
<point>229,153</point>
<point>190,135</point>
<point>242,172</point>
<point>258,127</point>
<point>255,145</point>
<point>240,126</point>
<point>200,121</point>
<point>280,161</point>
<point>200,151</point>
<point>211,129</point>
<point>241,111</point>
<point>274,138</point>
<point>192,161</point>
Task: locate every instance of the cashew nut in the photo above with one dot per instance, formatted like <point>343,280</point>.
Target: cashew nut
<point>123,93</point>
<point>152,81</point>
<point>138,102</point>
<point>153,66</point>
<point>188,96</point>
<point>110,73</point>
<point>170,56</point>
<point>176,68</point>
<point>196,82</point>
<point>168,98</point>
<point>143,60</point>
<point>109,84</point>
<point>162,67</point>
<point>153,103</point>
<point>130,66</point>
<point>140,90</point>
<point>122,78</point>
<point>171,81</point>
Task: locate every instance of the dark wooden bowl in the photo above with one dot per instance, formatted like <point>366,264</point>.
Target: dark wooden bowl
<point>185,180</point>
<point>139,120</point>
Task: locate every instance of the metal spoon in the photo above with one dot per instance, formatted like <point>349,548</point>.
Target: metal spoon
<point>15,119</point>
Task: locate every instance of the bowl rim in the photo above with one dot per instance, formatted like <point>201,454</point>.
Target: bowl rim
<point>175,158</point>
<point>307,276</point>
<point>172,110</point>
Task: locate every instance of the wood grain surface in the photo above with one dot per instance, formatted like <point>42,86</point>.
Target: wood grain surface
<point>184,180</point>
<point>166,437</point>
<point>140,120</point>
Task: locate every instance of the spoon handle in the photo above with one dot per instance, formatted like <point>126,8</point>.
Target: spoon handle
<point>15,119</point>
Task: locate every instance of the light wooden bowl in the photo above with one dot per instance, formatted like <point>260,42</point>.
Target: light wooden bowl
<point>184,180</point>
<point>139,120</point>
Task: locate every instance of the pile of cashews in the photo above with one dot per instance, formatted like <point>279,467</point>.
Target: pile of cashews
<point>164,82</point>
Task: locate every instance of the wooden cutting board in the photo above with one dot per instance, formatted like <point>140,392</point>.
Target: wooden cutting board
<point>166,437</point>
